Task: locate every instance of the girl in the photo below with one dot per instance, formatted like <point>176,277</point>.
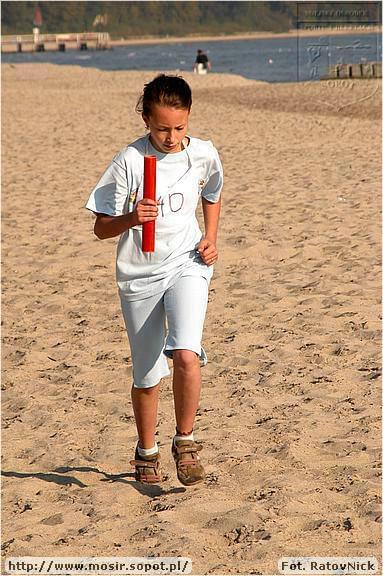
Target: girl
<point>163,294</point>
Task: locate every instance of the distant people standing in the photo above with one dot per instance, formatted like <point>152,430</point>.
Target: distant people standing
<point>202,64</point>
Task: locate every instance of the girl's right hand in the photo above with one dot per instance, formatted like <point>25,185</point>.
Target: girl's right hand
<point>146,210</point>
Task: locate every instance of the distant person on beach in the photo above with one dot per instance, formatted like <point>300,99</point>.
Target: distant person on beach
<point>164,294</point>
<point>202,63</point>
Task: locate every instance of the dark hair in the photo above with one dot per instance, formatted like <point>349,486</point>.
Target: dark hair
<point>171,91</point>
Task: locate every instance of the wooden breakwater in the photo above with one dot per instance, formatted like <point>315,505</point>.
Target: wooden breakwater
<point>361,70</point>
<point>55,42</point>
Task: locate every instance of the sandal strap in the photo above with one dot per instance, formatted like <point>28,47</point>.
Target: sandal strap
<point>182,463</point>
<point>145,464</point>
<point>154,467</point>
<point>153,478</point>
<point>188,449</point>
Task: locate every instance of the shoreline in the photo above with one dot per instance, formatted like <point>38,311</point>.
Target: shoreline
<point>245,36</point>
<point>220,77</point>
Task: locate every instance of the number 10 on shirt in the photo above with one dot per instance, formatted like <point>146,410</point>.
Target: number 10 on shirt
<point>148,228</point>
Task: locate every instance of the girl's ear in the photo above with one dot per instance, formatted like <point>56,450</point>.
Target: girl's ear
<point>146,120</point>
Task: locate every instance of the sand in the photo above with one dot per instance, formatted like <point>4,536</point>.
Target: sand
<point>290,408</point>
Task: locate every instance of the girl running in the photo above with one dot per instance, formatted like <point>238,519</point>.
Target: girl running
<point>164,294</point>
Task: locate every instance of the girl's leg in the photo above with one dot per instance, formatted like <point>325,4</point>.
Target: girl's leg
<point>185,307</point>
<point>186,389</point>
<point>147,457</point>
<point>145,324</point>
<point>145,407</point>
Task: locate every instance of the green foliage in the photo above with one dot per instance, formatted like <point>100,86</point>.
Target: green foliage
<point>17,17</point>
<point>127,19</point>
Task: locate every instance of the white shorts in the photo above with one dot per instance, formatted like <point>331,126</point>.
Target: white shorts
<point>172,320</point>
<point>200,69</point>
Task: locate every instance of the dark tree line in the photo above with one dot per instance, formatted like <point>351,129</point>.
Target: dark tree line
<point>125,19</point>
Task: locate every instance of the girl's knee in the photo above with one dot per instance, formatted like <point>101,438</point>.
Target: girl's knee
<point>147,391</point>
<point>185,359</point>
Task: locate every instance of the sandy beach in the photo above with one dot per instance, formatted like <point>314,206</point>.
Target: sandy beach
<point>290,409</point>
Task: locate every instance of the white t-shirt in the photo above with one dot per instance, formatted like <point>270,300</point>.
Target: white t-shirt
<point>181,178</point>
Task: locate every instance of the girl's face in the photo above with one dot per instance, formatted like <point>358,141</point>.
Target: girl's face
<point>167,127</point>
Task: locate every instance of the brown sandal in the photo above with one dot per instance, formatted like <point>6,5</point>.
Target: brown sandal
<point>189,468</point>
<point>148,469</point>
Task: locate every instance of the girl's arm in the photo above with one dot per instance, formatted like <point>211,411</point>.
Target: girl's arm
<point>207,247</point>
<point>109,226</point>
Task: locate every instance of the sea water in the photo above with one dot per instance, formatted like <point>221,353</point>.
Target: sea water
<point>277,59</point>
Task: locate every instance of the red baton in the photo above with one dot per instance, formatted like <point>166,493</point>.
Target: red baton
<point>148,228</point>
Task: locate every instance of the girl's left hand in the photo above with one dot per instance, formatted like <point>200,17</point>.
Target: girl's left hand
<point>208,251</point>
